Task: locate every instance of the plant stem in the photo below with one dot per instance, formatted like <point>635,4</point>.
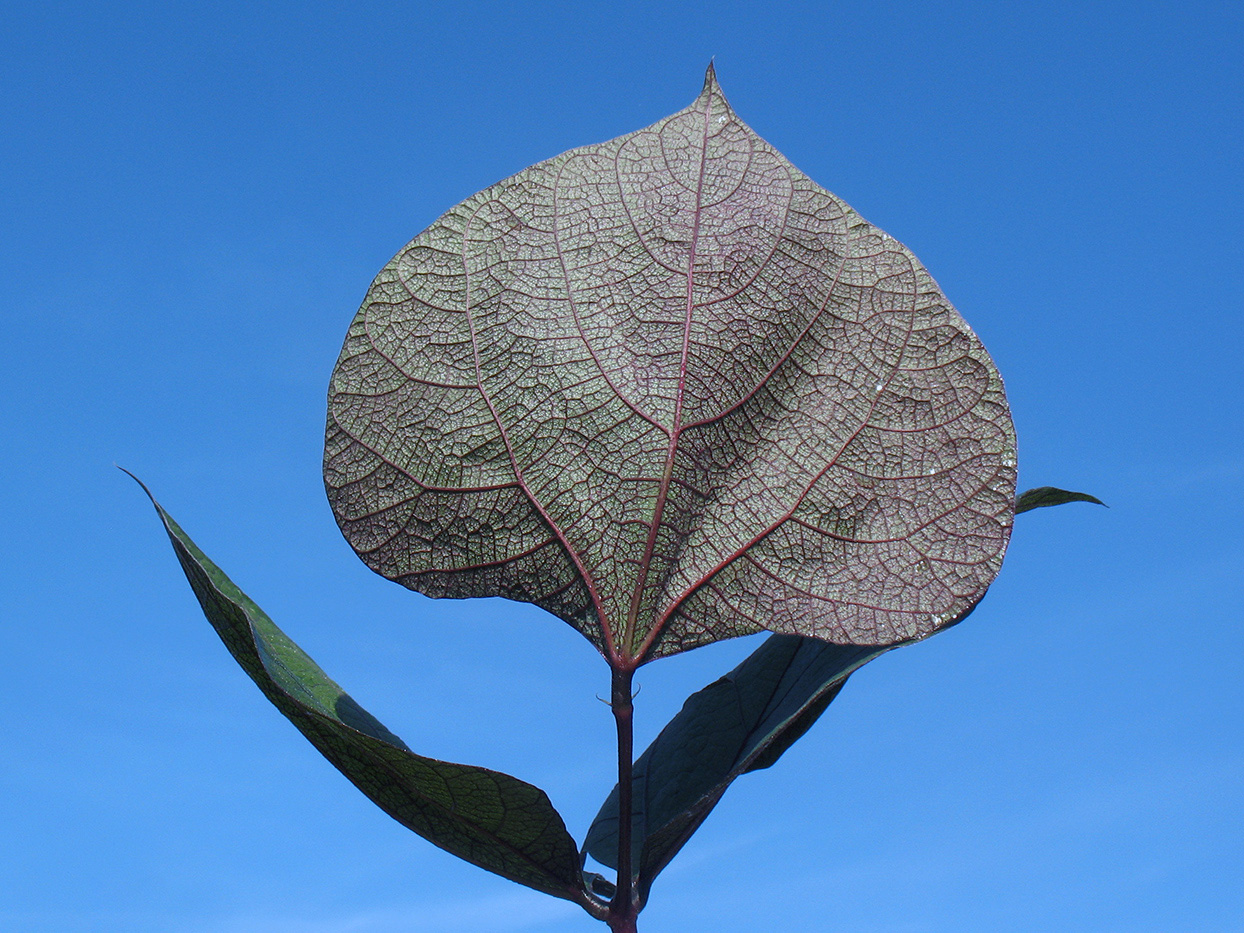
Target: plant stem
<point>623,909</point>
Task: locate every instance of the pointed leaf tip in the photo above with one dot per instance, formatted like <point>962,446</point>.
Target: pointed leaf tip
<point>1045,496</point>
<point>712,87</point>
<point>491,819</point>
<point>141,485</point>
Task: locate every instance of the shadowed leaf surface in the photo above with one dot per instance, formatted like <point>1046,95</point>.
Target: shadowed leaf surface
<point>1045,496</point>
<point>740,723</point>
<point>671,390</point>
<point>491,819</point>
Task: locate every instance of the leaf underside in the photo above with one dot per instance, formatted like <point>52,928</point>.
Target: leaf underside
<point>672,391</point>
<point>488,818</point>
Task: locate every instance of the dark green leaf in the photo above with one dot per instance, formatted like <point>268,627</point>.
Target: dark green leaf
<point>491,819</point>
<point>740,723</point>
<point>726,730</point>
<point>1045,496</point>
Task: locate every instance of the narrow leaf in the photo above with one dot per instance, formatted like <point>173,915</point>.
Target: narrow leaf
<point>1045,496</point>
<point>740,723</point>
<point>672,390</point>
<point>491,819</point>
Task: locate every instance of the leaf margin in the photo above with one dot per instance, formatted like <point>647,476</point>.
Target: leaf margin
<point>262,645</point>
<point>1044,497</point>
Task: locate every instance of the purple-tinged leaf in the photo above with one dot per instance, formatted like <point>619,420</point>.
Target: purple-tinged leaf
<point>488,818</point>
<point>673,391</point>
<point>1045,496</point>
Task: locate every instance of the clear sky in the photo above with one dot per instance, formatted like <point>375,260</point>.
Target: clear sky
<point>194,198</point>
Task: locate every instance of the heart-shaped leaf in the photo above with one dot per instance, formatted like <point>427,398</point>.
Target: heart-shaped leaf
<point>672,391</point>
<point>1045,496</point>
<point>491,819</point>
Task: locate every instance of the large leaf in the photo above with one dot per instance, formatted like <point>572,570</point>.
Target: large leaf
<point>491,819</point>
<point>740,723</point>
<point>673,391</point>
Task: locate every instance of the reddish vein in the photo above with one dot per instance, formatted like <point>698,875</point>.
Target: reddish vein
<point>518,470</point>
<point>671,450</point>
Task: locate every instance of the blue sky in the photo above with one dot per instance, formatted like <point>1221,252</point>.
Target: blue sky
<point>194,199</point>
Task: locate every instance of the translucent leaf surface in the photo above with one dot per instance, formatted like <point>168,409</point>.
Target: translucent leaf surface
<point>491,819</point>
<point>673,391</point>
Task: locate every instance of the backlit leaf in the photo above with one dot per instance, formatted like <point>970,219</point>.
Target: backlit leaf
<point>491,819</point>
<point>671,390</point>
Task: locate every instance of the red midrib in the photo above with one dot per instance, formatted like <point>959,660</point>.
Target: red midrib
<point>662,494</point>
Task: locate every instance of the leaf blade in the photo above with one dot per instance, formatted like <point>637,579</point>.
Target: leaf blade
<point>743,721</point>
<point>658,386</point>
<point>1043,497</point>
<point>486,817</point>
